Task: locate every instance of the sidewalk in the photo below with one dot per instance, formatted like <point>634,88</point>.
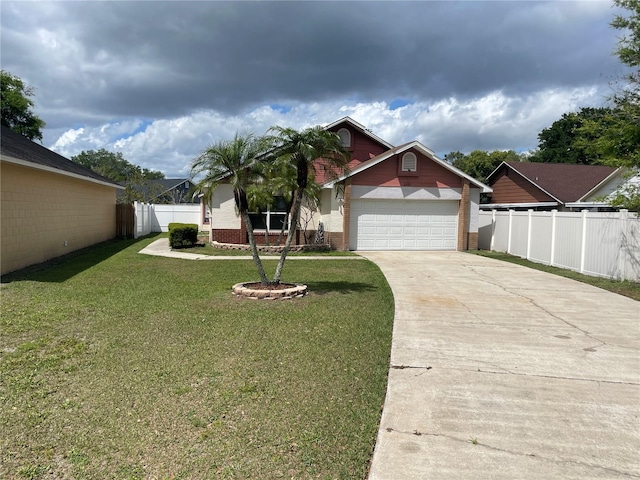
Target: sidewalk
<point>160,248</point>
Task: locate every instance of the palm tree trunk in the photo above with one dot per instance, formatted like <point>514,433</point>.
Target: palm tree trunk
<point>254,249</point>
<point>297,201</point>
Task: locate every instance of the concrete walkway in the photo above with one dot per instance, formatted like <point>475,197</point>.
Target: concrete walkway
<point>160,248</point>
<point>503,372</point>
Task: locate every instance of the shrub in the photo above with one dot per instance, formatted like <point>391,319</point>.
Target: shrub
<point>183,235</point>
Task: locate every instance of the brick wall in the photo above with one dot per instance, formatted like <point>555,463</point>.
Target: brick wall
<point>463,217</point>
<point>336,240</point>
<point>228,235</point>
<point>473,241</point>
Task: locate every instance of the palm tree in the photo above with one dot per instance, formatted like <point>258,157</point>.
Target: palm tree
<point>304,150</point>
<point>234,162</point>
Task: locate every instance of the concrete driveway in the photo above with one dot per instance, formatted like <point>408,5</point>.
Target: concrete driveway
<point>503,372</point>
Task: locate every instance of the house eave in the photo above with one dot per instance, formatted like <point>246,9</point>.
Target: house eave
<point>586,204</point>
<point>495,206</point>
<point>46,168</point>
<point>360,127</point>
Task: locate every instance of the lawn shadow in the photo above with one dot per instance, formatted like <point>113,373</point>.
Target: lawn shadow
<point>67,266</point>
<point>323,287</point>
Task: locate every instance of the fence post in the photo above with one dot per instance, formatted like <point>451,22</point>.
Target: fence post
<point>583,242</point>
<point>509,231</point>
<point>493,230</point>
<point>553,237</point>
<point>135,219</point>
<point>624,234</point>
<point>530,214</point>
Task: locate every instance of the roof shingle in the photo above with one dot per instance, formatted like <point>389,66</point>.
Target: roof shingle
<point>18,146</point>
<point>568,182</point>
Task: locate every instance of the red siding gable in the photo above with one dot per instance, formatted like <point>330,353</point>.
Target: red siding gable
<point>511,187</point>
<point>362,148</point>
<point>386,174</point>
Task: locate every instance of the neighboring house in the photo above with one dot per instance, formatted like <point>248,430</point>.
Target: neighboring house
<point>393,198</point>
<point>164,191</point>
<point>50,205</point>
<point>552,186</point>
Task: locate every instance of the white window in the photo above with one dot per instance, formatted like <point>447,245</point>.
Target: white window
<point>409,162</point>
<point>273,218</point>
<point>345,137</point>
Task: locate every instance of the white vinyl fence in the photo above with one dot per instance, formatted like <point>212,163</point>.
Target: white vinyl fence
<point>602,244</point>
<point>156,218</point>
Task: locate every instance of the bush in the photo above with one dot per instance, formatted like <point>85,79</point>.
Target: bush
<point>183,235</point>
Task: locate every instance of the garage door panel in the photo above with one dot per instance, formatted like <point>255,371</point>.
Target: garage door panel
<point>403,225</point>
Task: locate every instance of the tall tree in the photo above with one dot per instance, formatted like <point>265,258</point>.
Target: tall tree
<point>566,142</point>
<point>304,150</point>
<point>114,166</point>
<point>628,51</point>
<point>453,157</point>
<point>16,107</point>
<point>234,162</point>
<point>618,143</point>
<point>480,163</point>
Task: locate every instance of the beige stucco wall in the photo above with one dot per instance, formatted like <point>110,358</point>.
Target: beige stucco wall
<point>331,210</point>
<point>223,208</point>
<point>40,211</point>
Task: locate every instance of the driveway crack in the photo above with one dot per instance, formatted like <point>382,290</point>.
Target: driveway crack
<point>540,307</point>
<point>504,371</point>
<point>476,443</point>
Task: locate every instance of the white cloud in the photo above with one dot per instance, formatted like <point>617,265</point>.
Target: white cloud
<point>490,122</point>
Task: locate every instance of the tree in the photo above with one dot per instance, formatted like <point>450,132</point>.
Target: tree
<point>258,167</point>
<point>628,51</point>
<point>234,162</point>
<point>140,188</point>
<point>565,141</point>
<point>618,144</point>
<point>304,150</point>
<point>453,157</point>
<point>113,166</point>
<point>611,140</point>
<point>16,107</point>
<point>480,163</point>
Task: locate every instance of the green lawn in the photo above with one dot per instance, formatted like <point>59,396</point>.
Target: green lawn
<point>126,366</point>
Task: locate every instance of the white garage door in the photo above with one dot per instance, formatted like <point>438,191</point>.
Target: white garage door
<point>403,225</point>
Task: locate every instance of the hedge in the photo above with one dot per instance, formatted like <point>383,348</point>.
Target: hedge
<point>183,235</point>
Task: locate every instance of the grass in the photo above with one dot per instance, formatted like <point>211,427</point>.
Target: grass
<point>127,366</point>
<point>627,288</point>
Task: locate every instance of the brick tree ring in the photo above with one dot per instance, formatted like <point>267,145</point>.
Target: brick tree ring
<point>257,291</point>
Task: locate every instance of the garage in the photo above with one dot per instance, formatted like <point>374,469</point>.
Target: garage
<point>403,224</point>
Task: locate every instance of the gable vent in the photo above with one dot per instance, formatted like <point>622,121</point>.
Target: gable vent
<point>409,162</point>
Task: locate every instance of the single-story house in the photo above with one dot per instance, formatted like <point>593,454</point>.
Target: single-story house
<point>552,186</point>
<point>393,198</point>
<point>50,205</point>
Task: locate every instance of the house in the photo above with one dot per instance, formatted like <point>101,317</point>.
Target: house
<point>393,198</point>
<point>551,186</point>
<point>50,205</point>
<point>172,191</point>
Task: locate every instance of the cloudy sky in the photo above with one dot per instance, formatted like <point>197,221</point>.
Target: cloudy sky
<point>160,81</point>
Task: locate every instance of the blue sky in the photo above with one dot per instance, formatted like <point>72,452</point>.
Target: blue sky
<point>160,81</point>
